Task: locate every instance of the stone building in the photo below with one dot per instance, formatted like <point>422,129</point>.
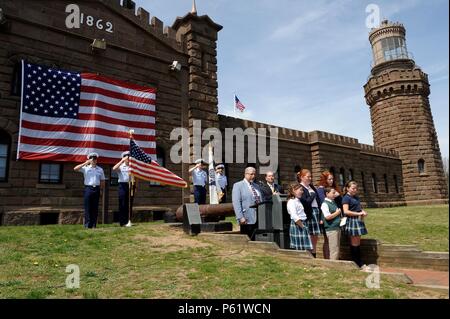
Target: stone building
<point>404,165</point>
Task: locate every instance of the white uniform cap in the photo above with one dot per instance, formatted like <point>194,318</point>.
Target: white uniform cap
<point>200,160</point>
<point>126,153</point>
<point>220,166</point>
<point>92,155</point>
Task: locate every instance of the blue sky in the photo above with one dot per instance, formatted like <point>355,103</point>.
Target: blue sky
<point>302,64</point>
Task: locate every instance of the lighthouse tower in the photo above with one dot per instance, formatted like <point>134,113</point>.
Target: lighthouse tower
<point>397,93</point>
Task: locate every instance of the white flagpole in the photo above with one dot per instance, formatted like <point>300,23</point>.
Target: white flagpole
<point>130,189</point>
<point>213,199</point>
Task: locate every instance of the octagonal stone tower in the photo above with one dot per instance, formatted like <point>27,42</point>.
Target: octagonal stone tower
<point>397,92</point>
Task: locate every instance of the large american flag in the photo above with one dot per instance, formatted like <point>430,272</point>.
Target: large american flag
<point>142,166</point>
<point>67,115</point>
<point>238,104</point>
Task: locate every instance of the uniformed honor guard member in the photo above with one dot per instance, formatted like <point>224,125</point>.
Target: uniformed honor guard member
<point>221,183</point>
<point>94,180</point>
<point>123,169</point>
<point>199,179</point>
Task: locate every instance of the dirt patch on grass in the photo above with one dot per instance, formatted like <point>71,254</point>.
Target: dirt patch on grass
<point>171,242</point>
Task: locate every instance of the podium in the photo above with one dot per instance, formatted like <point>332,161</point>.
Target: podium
<point>274,221</point>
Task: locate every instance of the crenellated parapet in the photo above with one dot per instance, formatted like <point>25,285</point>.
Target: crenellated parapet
<point>387,29</point>
<point>314,137</point>
<point>150,24</point>
<point>334,139</point>
<point>378,151</point>
<point>394,82</point>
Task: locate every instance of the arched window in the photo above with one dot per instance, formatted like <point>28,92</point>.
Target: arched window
<point>421,166</point>
<point>297,169</point>
<point>16,81</point>
<point>374,183</point>
<point>386,185</point>
<point>350,174</point>
<point>363,181</point>
<point>341,178</point>
<point>5,146</point>
<point>396,184</point>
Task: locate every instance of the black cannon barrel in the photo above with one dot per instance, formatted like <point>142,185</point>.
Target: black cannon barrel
<point>212,210</point>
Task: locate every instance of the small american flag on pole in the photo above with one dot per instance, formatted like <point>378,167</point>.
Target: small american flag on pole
<point>238,104</point>
<point>66,115</point>
<point>142,166</point>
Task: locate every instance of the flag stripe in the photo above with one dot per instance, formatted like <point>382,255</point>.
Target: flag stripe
<point>118,82</point>
<point>123,103</point>
<point>119,116</point>
<point>50,121</point>
<point>154,176</point>
<point>60,157</point>
<point>153,169</point>
<point>115,95</point>
<point>64,139</point>
<point>42,127</point>
<point>115,108</point>
<point>44,150</point>
<point>107,119</point>
<point>152,179</point>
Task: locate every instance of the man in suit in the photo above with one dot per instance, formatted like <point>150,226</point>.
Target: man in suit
<point>269,187</point>
<point>246,196</point>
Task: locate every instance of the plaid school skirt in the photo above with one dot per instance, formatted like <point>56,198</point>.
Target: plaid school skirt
<point>355,227</point>
<point>300,239</point>
<point>313,222</point>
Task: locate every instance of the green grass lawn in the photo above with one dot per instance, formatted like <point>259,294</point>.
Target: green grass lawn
<point>424,226</point>
<point>154,260</point>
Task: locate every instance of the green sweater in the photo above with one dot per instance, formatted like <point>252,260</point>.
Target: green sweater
<point>334,223</point>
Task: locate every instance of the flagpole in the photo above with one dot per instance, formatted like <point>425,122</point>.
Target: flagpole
<point>130,189</point>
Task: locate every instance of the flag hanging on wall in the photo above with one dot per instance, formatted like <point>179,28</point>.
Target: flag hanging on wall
<point>67,115</point>
<point>143,167</point>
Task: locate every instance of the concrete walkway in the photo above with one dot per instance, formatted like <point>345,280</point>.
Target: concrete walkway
<point>423,277</point>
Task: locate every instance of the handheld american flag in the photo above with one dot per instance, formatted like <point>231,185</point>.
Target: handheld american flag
<point>238,104</point>
<point>142,166</point>
<point>66,115</point>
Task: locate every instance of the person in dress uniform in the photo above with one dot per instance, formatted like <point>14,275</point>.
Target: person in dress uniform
<point>221,183</point>
<point>200,180</point>
<point>94,181</point>
<point>122,168</point>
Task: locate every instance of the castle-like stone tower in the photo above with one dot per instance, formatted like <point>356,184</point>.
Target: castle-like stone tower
<point>397,93</point>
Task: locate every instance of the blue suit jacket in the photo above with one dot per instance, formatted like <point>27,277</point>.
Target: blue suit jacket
<point>242,200</point>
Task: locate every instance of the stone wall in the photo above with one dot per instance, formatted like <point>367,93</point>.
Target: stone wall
<point>319,151</point>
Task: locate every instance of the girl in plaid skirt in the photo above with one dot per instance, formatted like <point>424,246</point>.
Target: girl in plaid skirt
<point>311,203</point>
<point>355,226</point>
<point>298,232</point>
